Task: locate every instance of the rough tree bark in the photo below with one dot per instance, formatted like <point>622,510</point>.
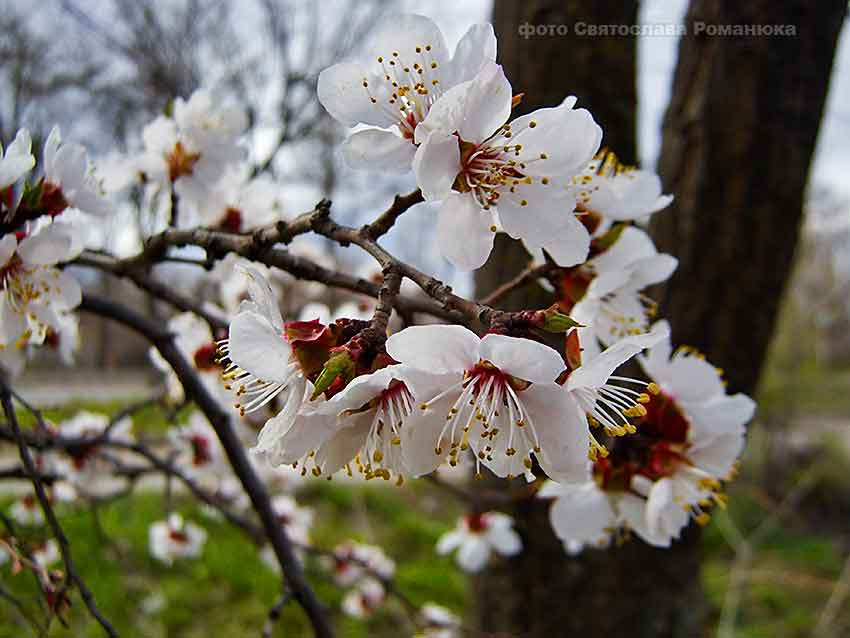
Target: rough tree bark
<point>738,140</point>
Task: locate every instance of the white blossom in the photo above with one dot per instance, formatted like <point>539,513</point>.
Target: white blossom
<point>406,68</point>
<point>492,174</point>
<point>17,160</point>
<point>477,536</point>
<point>174,539</point>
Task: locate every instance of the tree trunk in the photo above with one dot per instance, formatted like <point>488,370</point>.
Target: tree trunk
<point>738,140</point>
<point>739,135</point>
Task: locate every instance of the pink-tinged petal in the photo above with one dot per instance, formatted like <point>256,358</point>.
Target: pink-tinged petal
<point>375,149</point>
<point>523,358</point>
<point>341,92</point>
<point>563,433</point>
<point>582,513</point>
<point>258,347</point>
<point>465,232</point>
<point>436,165</point>
<point>435,349</point>
<point>473,554</point>
<point>594,373</point>
<point>473,51</point>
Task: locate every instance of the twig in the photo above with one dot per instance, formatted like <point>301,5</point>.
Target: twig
<point>834,602</point>
<point>275,613</point>
<point>386,220</point>
<point>71,575</point>
<point>530,274</point>
<point>193,387</point>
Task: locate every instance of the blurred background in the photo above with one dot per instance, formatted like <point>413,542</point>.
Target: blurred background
<point>773,564</point>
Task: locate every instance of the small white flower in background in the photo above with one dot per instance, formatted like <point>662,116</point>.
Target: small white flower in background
<point>497,396</point>
<point>240,203</point>
<point>87,466</point>
<point>174,539</point>
<point>364,599</point>
<point>26,510</point>
<point>47,554</point>
<point>17,160</point>
<point>68,178</point>
<point>200,448</point>
<point>438,622</point>
<point>618,192</point>
<point>605,293</point>
<point>477,536</point>
<point>296,519</point>
<point>405,69</point>
<point>491,174</point>
<point>192,150</point>
<point>35,296</point>
<point>196,342</point>
<point>353,561</point>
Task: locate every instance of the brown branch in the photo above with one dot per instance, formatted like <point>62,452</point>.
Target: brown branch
<point>527,276</point>
<point>71,575</point>
<point>385,221</point>
<point>293,573</point>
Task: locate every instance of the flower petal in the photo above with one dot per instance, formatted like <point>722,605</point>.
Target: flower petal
<point>341,92</point>
<point>594,373</point>
<point>436,349</point>
<point>376,149</point>
<point>582,513</point>
<point>473,554</point>
<point>523,358</point>
<point>436,165</point>
<point>465,232</point>
<point>259,348</point>
<point>562,431</point>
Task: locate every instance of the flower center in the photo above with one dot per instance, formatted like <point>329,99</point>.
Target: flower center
<point>476,523</point>
<point>206,357</point>
<point>488,169</point>
<point>232,221</point>
<point>201,450</point>
<point>181,162</point>
<point>406,89</point>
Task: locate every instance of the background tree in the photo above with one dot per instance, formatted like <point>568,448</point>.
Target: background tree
<point>738,139</point>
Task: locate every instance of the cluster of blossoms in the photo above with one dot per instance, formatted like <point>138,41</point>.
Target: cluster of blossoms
<point>356,391</point>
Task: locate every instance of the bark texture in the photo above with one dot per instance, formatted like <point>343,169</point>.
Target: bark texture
<point>738,140</point>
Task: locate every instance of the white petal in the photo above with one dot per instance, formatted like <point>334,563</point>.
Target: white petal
<point>465,232</point>
<point>563,432</point>
<point>436,349</point>
<point>717,455</point>
<point>51,146</point>
<point>473,554</point>
<point>721,415</point>
<point>341,92</point>
<point>51,245</point>
<point>505,541</point>
<point>568,138</point>
<point>570,245</point>
<point>475,109</point>
<point>262,295</point>
<point>360,391</point>
<point>403,34</point>
<point>420,436</point>
<point>343,445</point>
<point>436,165</point>
<point>450,541</point>
<point>523,358</point>
<point>259,348</point>
<point>17,160</point>
<point>473,50</point>
<point>375,149</point>
<point>582,513</point>
<point>8,246</point>
<point>594,373</point>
